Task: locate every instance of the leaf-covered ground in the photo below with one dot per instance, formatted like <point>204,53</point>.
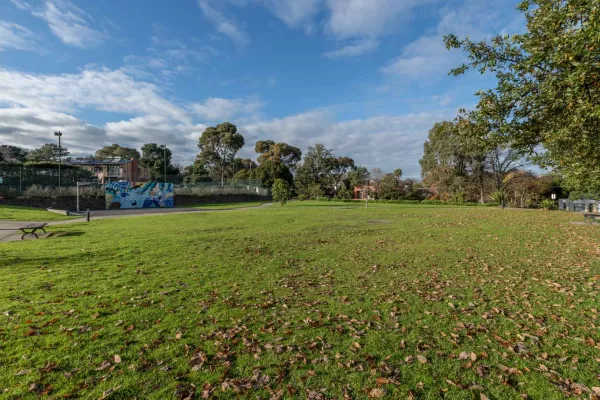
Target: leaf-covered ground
<point>305,301</point>
<point>17,213</point>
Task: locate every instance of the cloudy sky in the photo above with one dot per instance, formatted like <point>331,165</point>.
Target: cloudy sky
<point>367,78</point>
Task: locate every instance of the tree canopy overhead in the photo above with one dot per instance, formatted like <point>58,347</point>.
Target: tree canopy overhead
<point>548,91</point>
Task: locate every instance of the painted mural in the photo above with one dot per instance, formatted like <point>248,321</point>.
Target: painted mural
<point>139,195</point>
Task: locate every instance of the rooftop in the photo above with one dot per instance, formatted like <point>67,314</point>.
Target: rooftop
<point>100,161</point>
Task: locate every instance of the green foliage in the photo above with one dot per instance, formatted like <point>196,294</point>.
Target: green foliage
<point>389,189</point>
<point>153,157</point>
<point>584,195</point>
<point>500,197</point>
<point>547,204</point>
<point>288,155</point>
<point>12,154</point>
<point>281,191</point>
<point>271,170</point>
<point>344,193</point>
<point>49,152</point>
<point>358,176</point>
<point>548,90</point>
<point>398,173</point>
<point>115,150</point>
<point>218,146</point>
<point>320,168</point>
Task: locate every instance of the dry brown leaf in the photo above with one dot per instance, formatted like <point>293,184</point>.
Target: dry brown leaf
<point>376,393</point>
<point>422,359</point>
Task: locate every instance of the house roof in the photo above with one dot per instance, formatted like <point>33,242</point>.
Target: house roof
<point>104,161</point>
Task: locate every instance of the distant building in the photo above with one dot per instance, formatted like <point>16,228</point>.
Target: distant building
<point>114,169</point>
<point>361,192</point>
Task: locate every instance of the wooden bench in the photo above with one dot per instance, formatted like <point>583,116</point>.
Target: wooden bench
<point>29,229</point>
<point>590,217</point>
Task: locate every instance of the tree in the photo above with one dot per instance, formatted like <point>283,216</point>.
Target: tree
<point>271,170</point>
<point>153,157</point>
<point>48,152</point>
<point>13,154</point>
<point>290,156</point>
<point>444,161</point>
<point>281,191</point>
<point>218,146</point>
<point>358,176</point>
<point>548,90</point>
<point>389,189</point>
<point>195,173</point>
<point>115,150</point>
<point>398,173</point>
<point>319,169</point>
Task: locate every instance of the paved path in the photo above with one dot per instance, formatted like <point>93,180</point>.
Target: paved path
<point>11,236</point>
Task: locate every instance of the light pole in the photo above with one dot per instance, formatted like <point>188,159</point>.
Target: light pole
<point>165,163</point>
<point>59,134</point>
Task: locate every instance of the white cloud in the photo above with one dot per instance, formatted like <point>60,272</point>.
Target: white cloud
<point>353,49</point>
<point>387,142</point>
<point>294,12</point>
<point>224,25</point>
<point>368,18</point>
<point>32,127</point>
<point>69,23</point>
<point>22,5</point>
<point>427,57</point>
<point>218,109</point>
<point>14,36</point>
<point>105,90</point>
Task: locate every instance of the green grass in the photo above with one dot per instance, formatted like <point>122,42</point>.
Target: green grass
<point>226,206</point>
<point>18,213</point>
<point>324,300</point>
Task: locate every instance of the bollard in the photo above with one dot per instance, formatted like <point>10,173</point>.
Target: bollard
<point>87,215</point>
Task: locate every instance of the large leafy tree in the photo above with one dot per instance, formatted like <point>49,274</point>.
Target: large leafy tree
<point>115,150</point>
<point>218,146</point>
<point>276,161</point>
<point>548,91</point>
<point>155,157</point>
<point>320,171</point>
<point>49,152</point>
<point>289,155</point>
<point>13,154</point>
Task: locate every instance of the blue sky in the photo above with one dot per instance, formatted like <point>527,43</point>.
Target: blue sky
<point>367,78</point>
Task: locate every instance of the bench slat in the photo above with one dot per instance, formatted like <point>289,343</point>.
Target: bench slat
<point>33,226</point>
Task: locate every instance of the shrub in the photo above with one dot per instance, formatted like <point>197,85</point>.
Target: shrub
<point>547,204</point>
<point>281,191</point>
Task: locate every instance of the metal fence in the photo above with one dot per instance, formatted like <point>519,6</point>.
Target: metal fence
<point>578,205</point>
<point>43,181</point>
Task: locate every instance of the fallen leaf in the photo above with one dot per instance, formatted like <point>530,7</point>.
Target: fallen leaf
<point>376,393</point>
<point>117,358</point>
<point>422,359</point>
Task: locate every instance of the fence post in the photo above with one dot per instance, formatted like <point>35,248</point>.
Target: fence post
<point>87,215</point>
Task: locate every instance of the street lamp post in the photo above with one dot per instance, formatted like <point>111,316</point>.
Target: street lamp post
<point>59,134</point>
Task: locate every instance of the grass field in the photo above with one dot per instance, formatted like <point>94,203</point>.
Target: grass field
<point>226,206</point>
<point>305,301</point>
<point>18,213</point>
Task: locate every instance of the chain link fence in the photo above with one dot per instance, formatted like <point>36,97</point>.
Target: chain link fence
<point>43,181</point>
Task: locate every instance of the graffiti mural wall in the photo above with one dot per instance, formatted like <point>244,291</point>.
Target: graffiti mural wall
<point>139,195</point>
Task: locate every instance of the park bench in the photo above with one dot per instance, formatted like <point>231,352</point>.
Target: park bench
<point>590,217</point>
<point>29,229</point>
